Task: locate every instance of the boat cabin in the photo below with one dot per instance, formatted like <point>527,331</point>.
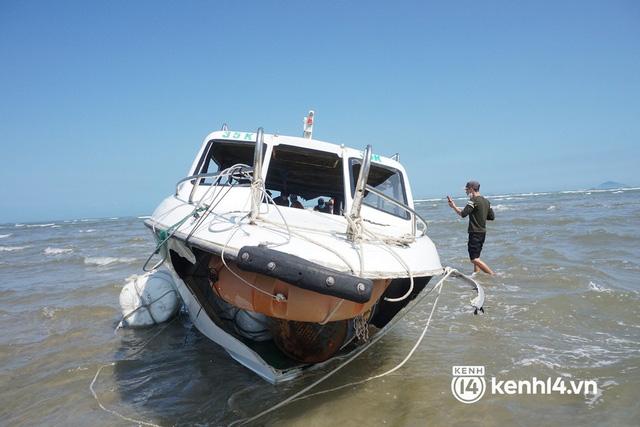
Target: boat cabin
<point>310,170</point>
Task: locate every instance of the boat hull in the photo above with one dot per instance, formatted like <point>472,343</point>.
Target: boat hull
<point>297,304</point>
<point>290,337</point>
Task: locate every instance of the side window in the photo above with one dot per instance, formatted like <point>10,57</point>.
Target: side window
<point>388,181</point>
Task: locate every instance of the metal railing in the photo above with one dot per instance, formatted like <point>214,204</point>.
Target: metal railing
<point>361,183</point>
<point>198,178</point>
<point>256,182</point>
<point>414,215</point>
<point>358,196</point>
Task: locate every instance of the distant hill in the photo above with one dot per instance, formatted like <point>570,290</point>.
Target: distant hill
<point>610,185</point>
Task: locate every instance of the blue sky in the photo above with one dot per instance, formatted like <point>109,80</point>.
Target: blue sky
<point>103,104</point>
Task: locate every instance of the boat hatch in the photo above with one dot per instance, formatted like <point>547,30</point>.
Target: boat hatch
<point>388,181</point>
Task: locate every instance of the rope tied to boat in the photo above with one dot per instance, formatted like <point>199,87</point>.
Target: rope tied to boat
<point>363,235</point>
<point>163,236</point>
<point>301,394</point>
<point>144,304</point>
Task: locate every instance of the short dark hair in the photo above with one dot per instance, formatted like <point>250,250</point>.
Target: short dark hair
<point>473,185</point>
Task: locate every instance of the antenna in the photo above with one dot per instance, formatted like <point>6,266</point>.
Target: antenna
<point>224,127</point>
<point>308,125</point>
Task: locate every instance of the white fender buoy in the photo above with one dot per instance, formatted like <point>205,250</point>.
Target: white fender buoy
<point>253,325</point>
<point>148,299</point>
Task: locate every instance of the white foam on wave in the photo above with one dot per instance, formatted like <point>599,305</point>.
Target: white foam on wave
<point>57,251</point>
<point>601,388</point>
<point>551,208</point>
<point>610,190</point>
<point>90,230</point>
<point>599,288</point>
<point>420,200</point>
<point>513,310</point>
<point>50,224</point>
<point>12,248</point>
<point>147,216</point>
<point>500,208</point>
<point>4,236</point>
<point>49,312</point>
<point>102,261</point>
<point>528,361</point>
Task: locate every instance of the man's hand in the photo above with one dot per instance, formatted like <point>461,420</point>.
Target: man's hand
<point>453,205</point>
<point>451,202</point>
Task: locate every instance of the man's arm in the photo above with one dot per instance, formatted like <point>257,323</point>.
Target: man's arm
<point>491,215</point>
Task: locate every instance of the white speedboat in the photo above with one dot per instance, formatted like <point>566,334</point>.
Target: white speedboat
<point>280,280</point>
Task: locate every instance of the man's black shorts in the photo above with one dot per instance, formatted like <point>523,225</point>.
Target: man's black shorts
<point>476,240</point>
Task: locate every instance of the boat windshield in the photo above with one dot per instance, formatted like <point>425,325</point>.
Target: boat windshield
<point>220,155</point>
<point>388,181</point>
<point>308,176</point>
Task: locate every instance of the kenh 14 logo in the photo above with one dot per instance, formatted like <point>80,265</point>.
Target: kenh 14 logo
<point>468,384</point>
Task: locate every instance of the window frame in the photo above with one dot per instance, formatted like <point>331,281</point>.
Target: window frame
<point>206,159</point>
<point>405,200</point>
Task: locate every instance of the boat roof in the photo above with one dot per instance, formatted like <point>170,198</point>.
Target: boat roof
<point>314,144</point>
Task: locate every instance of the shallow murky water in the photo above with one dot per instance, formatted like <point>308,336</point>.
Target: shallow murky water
<point>563,304</point>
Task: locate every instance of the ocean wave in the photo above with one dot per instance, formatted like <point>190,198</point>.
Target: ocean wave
<point>609,190</point>
<point>103,261</point>
<point>415,201</point>
<point>48,312</point>
<point>582,356</point>
<point>505,198</point>
<point>90,230</point>
<point>599,288</point>
<point>12,248</point>
<point>529,361</point>
<point>148,216</point>
<point>4,236</point>
<point>50,224</point>
<point>601,236</point>
<point>551,208</point>
<point>57,251</point>
<point>500,208</point>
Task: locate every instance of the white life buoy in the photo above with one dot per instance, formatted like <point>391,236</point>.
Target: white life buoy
<point>148,299</point>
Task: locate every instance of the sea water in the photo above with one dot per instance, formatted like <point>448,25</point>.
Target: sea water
<point>564,303</point>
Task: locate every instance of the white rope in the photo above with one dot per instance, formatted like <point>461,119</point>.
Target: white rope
<point>300,394</point>
<point>95,378</point>
<point>111,411</point>
<point>225,173</point>
<point>310,240</point>
<point>395,368</point>
<point>276,297</point>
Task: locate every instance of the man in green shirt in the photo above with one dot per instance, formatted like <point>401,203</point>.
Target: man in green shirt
<point>479,211</point>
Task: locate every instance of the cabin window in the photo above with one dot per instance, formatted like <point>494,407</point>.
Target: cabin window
<point>388,181</point>
<point>308,174</point>
<point>220,155</point>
